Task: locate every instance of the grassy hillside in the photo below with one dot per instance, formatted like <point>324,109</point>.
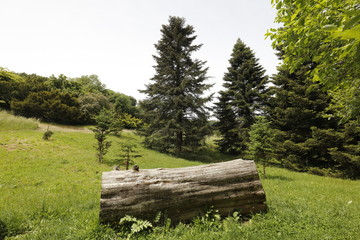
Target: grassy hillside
<point>10,122</point>
<point>51,190</point>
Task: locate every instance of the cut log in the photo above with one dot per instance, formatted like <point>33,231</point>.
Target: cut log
<point>182,193</point>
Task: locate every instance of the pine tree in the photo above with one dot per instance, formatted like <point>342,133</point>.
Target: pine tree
<point>241,100</point>
<point>175,112</point>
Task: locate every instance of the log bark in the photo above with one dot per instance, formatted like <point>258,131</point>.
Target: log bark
<point>182,193</point>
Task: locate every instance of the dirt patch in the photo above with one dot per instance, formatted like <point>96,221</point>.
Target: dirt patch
<point>58,128</point>
<point>18,144</point>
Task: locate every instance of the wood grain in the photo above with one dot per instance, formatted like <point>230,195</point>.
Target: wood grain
<point>182,193</point>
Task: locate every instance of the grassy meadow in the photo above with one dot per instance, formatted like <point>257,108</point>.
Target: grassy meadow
<point>51,190</point>
<point>11,122</point>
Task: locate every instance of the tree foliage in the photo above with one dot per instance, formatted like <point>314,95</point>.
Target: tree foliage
<point>328,34</point>
<point>262,142</point>
<point>90,84</point>
<point>62,99</point>
<point>242,99</point>
<point>319,40</point>
<point>91,104</point>
<point>126,159</point>
<point>306,139</point>
<point>175,112</point>
<point>50,106</point>
<point>9,87</point>
<point>105,124</point>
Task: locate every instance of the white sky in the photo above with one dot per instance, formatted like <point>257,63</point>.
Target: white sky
<point>115,39</point>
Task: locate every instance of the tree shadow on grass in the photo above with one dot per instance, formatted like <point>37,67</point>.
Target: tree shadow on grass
<point>208,156</point>
<point>278,177</point>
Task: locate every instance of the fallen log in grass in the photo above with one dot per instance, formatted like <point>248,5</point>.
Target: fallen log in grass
<point>182,193</point>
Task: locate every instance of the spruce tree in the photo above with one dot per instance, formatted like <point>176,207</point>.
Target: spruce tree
<point>309,137</point>
<point>175,112</point>
<point>298,103</point>
<point>297,109</point>
<point>241,100</point>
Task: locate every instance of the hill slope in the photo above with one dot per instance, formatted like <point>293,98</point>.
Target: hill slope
<point>51,190</point>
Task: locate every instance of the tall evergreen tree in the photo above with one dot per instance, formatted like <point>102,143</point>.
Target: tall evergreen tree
<point>298,103</point>
<point>175,112</point>
<point>241,100</point>
<point>297,110</point>
<point>307,139</point>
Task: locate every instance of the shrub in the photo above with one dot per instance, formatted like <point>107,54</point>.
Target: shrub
<point>50,106</point>
<point>47,135</point>
<point>261,146</point>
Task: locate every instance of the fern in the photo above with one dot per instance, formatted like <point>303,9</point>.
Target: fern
<point>130,226</point>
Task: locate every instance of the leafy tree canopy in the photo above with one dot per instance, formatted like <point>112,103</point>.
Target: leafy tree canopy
<point>9,86</point>
<point>91,83</point>
<point>328,34</point>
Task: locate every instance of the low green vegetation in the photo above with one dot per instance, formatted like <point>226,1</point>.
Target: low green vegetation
<point>11,122</point>
<point>51,190</point>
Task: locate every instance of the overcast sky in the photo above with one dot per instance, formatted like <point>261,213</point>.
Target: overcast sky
<point>115,39</point>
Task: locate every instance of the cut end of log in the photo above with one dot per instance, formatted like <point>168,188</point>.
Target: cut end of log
<point>182,193</point>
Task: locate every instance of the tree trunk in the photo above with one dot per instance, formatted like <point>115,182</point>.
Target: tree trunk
<point>182,193</point>
<point>179,141</point>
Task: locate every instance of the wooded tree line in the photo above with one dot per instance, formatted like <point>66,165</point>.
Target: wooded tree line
<point>292,119</point>
<point>64,100</point>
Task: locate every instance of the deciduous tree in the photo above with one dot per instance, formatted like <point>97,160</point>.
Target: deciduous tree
<point>328,34</point>
<point>9,87</point>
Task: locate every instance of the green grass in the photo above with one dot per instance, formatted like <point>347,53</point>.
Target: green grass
<point>51,190</point>
<point>11,122</point>
<point>301,206</point>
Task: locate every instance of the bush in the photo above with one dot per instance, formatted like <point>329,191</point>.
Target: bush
<point>50,106</point>
<point>47,135</point>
